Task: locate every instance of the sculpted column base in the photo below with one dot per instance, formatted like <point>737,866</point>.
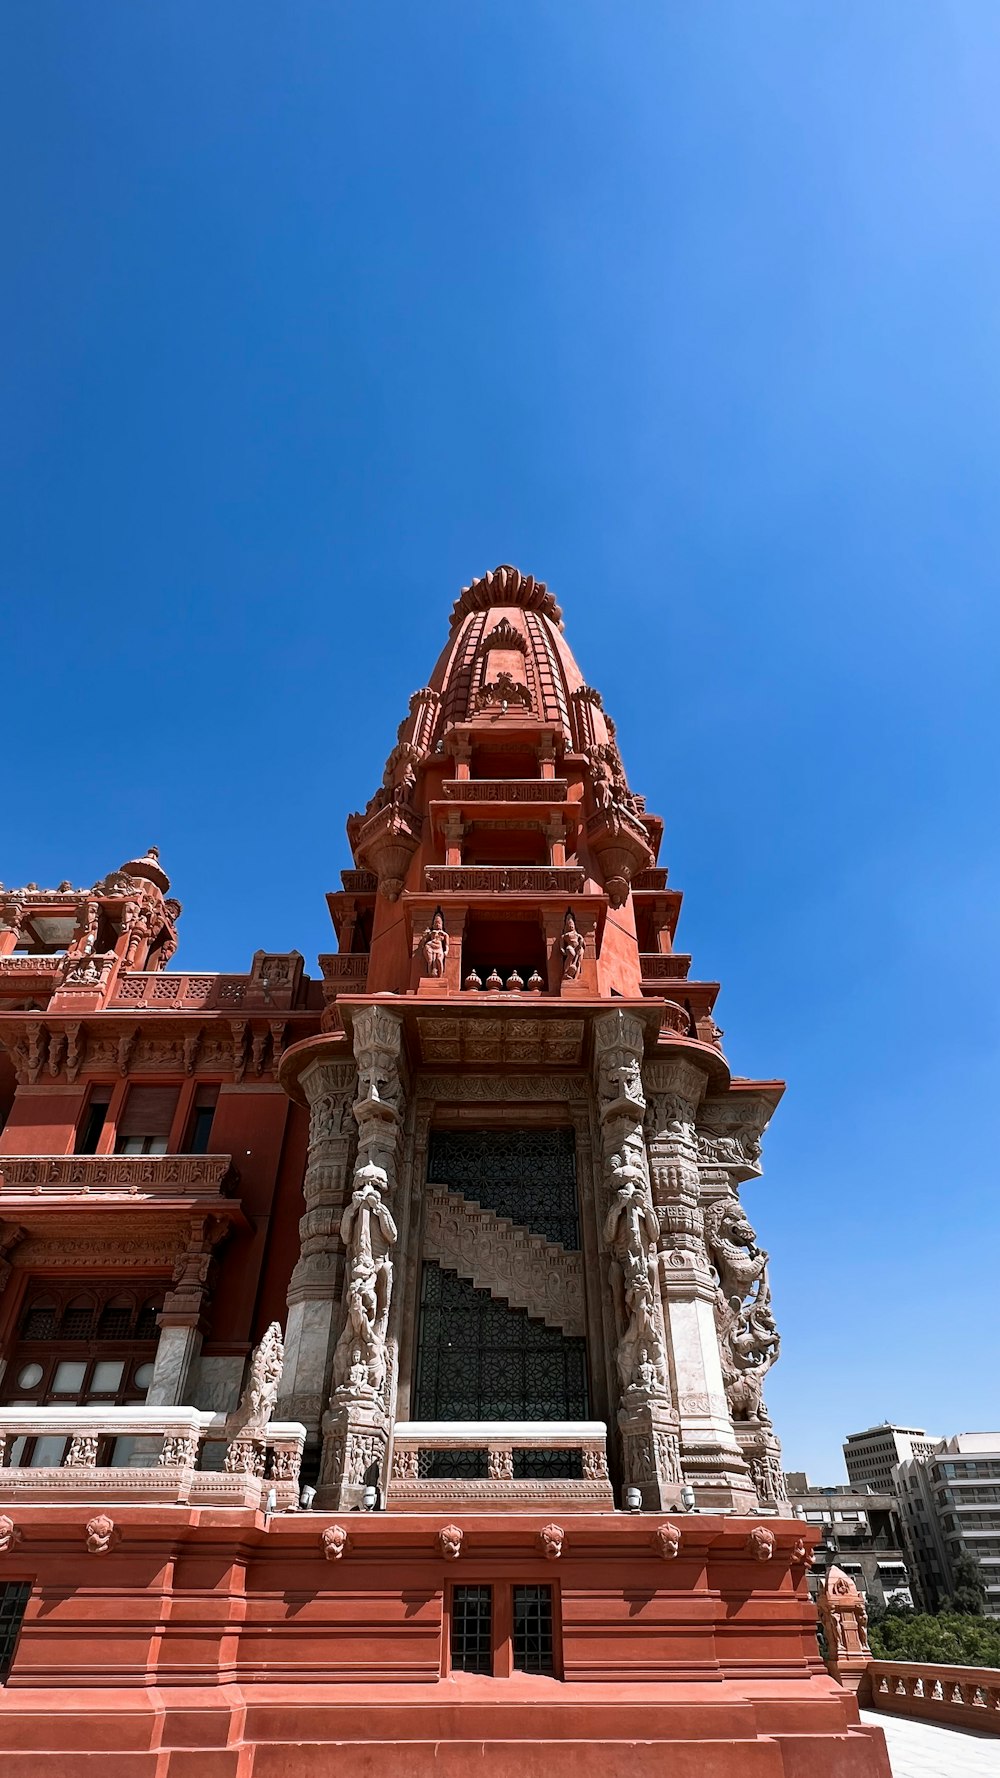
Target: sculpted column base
<point>355,1453</point>
<point>762,1449</point>
<point>711,1458</point>
<point>650,1442</point>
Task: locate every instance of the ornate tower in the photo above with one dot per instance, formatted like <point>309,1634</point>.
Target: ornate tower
<point>526,1147</point>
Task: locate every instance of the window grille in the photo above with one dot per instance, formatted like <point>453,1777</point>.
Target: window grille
<point>528,1176</point>
<point>14,1596</point>
<point>547,1465</point>
<point>472,1629</point>
<point>479,1359</point>
<point>449,1466</point>
<point>533,1642</point>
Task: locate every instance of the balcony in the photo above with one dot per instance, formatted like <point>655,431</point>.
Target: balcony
<point>177,1456</point>
<point>142,989</point>
<point>450,1463</point>
<point>164,1177</point>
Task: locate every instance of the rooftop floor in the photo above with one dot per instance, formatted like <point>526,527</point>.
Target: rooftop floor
<point>929,1750</point>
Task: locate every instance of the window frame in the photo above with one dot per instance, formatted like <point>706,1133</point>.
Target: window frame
<point>502,1622</point>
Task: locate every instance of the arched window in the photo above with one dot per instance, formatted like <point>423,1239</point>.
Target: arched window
<point>39,1320</point>
<point>146,1327</point>
<point>78,1319</point>
<point>116,1319</point>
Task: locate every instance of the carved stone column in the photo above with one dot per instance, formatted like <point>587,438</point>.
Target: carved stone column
<point>647,1419</point>
<point>357,1424</point>
<point>317,1283</point>
<point>711,1459</point>
<point>728,1137</point>
<point>182,1318</point>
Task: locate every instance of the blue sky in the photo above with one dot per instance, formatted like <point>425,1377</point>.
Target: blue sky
<point>313,312</point>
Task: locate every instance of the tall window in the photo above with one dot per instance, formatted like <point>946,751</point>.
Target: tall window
<point>77,1345</point>
<point>202,1117</point>
<point>145,1123</point>
<point>94,1119</point>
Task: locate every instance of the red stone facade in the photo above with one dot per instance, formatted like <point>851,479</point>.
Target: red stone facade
<point>451,1238</point>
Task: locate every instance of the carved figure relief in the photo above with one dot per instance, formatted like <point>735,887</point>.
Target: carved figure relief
<point>262,1385</point>
<point>630,1231</point>
<point>369,1234</point>
<point>573,945</point>
<point>760,1543</point>
<point>102,1534</point>
<point>333,1542</point>
<point>10,1535</point>
<point>450,1542</point>
<point>748,1337</point>
<point>551,1539</point>
<point>435,945</point>
<point>668,1541</point>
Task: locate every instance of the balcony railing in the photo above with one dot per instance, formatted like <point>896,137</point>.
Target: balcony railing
<point>173,1455</point>
<point>123,1175</point>
<point>501,1460</point>
<point>505,790</point>
<point>504,879</point>
<point>966,1696</point>
<point>150,989</point>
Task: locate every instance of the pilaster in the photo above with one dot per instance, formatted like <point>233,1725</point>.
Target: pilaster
<point>317,1282</point>
<point>647,1418</point>
<point>711,1459</point>
<point>358,1421</point>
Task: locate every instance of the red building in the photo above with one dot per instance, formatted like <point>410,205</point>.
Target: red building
<point>383,1354</point>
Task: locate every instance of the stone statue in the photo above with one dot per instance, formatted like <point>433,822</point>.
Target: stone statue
<point>573,947</point>
<point>261,1392</point>
<point>435,945</point>
<point>748,1337</point>
<point>631,1229</point>
<point>369,1234</point>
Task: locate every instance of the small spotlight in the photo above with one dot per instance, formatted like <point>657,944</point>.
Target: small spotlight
<point>369,1499</point>
<point>272,1500</point>
<point>688,1500</point>
<point>633,1500</point>
<point>306,1499</point>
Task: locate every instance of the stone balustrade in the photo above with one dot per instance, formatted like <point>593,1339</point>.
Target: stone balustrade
<point>529,1461</point>
<point>150,990</point>
<point>505,790</point>
<point>968,1697</point>
<point>180,1456</point>
<point>164,1176</point>
<point>504,879</point>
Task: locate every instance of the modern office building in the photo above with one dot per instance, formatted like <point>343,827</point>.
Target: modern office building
<point>949,1500</point>
<point>872,1456</point>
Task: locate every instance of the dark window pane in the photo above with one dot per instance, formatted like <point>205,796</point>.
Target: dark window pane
<point>145,1326</point>
<point>93,1124</point>
<point>14,1596</point>
<point>77,1324</point>
<point>201,1129</point>
<point>472,1629</point>
<point>528,1176</point>
<point>39,1324</point>
<point>533,1652</point>
<point>114,1324</point>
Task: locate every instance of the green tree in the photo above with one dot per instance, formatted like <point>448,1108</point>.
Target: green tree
<point>955,1639</point>
<point>968,1596</point>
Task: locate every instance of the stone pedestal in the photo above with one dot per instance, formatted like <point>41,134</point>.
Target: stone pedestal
<point>355,1448</point>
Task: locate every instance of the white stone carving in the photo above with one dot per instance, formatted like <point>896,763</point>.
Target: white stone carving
<point>513,1264</point>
